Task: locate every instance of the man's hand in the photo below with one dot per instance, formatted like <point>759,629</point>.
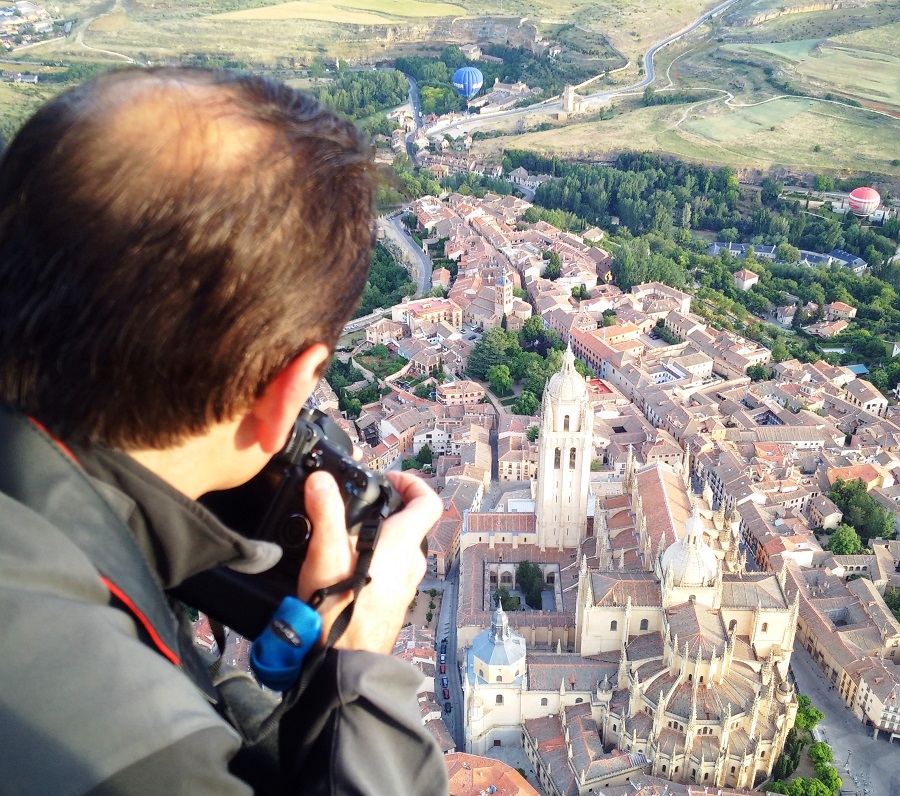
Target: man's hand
<point>397,566</point>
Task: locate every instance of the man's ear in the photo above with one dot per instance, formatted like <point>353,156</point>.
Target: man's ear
<point>276,410</point>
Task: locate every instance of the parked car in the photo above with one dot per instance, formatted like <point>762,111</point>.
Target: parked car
<point>447,707</point>
<point>443,668</point>
<point>446,693</point>
<point>443,658</point>
<point>444,682</point>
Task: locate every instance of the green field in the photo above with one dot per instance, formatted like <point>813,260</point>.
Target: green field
<point>744,123</point>
<point>741,137</point>
<point>883,39</point>
<point>359,12</point>
<point>860,73</point>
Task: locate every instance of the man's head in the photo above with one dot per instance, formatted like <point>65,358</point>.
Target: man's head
<point>169,241</point>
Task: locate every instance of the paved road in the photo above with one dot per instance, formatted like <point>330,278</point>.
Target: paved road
<point>874,764</point>
<point>591,100</point>
<point>416,104</point>
<point>446,628</point>
<point>412,254</point>
<point>603,97</point>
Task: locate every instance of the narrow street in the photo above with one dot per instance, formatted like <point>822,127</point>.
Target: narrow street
<point>446,628</point>
<point>874,764</point>
<point>413,258</point>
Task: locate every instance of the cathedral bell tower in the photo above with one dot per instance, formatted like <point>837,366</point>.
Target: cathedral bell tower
<point>564,459</point>
<point>503,290</point>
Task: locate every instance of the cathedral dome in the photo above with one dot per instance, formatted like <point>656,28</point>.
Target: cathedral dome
<point>692,561</point>
<point>499,646</point>
<point>568,384</point>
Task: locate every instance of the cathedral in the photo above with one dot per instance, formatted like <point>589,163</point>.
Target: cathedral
<point>674,658</point>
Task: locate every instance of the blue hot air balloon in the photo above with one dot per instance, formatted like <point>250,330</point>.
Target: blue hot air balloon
<point>468,81</point>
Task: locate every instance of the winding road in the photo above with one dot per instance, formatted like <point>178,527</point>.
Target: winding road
<point>591,101</point>
<point>412,256</point>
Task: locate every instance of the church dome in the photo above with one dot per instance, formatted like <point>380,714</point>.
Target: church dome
<point>499,646</point>
<point>692,561</point>
<point>568,384</point>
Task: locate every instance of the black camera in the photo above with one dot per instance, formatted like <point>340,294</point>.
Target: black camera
<point>270,507</point>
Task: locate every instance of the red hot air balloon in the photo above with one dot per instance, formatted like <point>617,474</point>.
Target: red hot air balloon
<point>864,201</point>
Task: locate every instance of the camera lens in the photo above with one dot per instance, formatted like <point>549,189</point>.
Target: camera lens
<point>296,532</point>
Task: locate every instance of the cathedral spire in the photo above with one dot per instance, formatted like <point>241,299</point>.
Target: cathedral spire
<point>499,625</point>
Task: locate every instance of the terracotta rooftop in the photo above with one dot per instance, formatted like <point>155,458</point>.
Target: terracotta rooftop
<point>549,671</point>
<point>471,775</point>
<point>614,588</point>
<point>488,522</point>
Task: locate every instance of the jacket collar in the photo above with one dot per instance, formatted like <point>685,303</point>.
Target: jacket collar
<point>177,535</point>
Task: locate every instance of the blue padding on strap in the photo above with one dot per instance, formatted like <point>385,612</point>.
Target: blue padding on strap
<point>278,653</point>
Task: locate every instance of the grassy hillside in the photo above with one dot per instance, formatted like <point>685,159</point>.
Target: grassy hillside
<point>848,55</point>
<point>782,134</point>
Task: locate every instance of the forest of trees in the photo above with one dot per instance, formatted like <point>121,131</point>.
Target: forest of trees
<point>648,193</point>
<point>362,94</point>
<point>861,511</point>
<point>642,190</point>
<point>528,358</point>
<point>657,202</point>
<point>388,283</point>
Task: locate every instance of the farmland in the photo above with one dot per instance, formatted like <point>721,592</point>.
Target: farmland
<point>741,70</point>
<point>359,12</point>
<point>853,72</point>
<point>781,134</point>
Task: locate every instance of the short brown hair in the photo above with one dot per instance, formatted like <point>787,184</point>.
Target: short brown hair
<point>170,239</point>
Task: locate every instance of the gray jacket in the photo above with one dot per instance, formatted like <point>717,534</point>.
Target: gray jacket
<point>101,690</point>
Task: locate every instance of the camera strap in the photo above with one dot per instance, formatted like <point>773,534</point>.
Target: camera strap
<point>370,530</point>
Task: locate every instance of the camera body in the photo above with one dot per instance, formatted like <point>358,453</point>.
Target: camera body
<point>276,493</point>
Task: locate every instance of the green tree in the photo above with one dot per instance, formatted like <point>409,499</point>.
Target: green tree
<point>829,777</point>
<point>788,253</point>
<point>861,511</point>
<point>496,347</point>
<point>820,752</point>
<point>845,541</point>
<point>530,580</point>
<point>425,456</point>
<point>759,373</point>
<point>554,267</point>
<point>780,351</point>
<point>509,601</point>
<point>500,379</point>
<point>892,600</point>
<point>770,191</point>
<point>808,715</point>
<point>527,404</point>
<point>533,432</point>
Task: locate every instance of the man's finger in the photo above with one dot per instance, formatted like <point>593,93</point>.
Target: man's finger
<point>421,502</point>
<point>328,557</point>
